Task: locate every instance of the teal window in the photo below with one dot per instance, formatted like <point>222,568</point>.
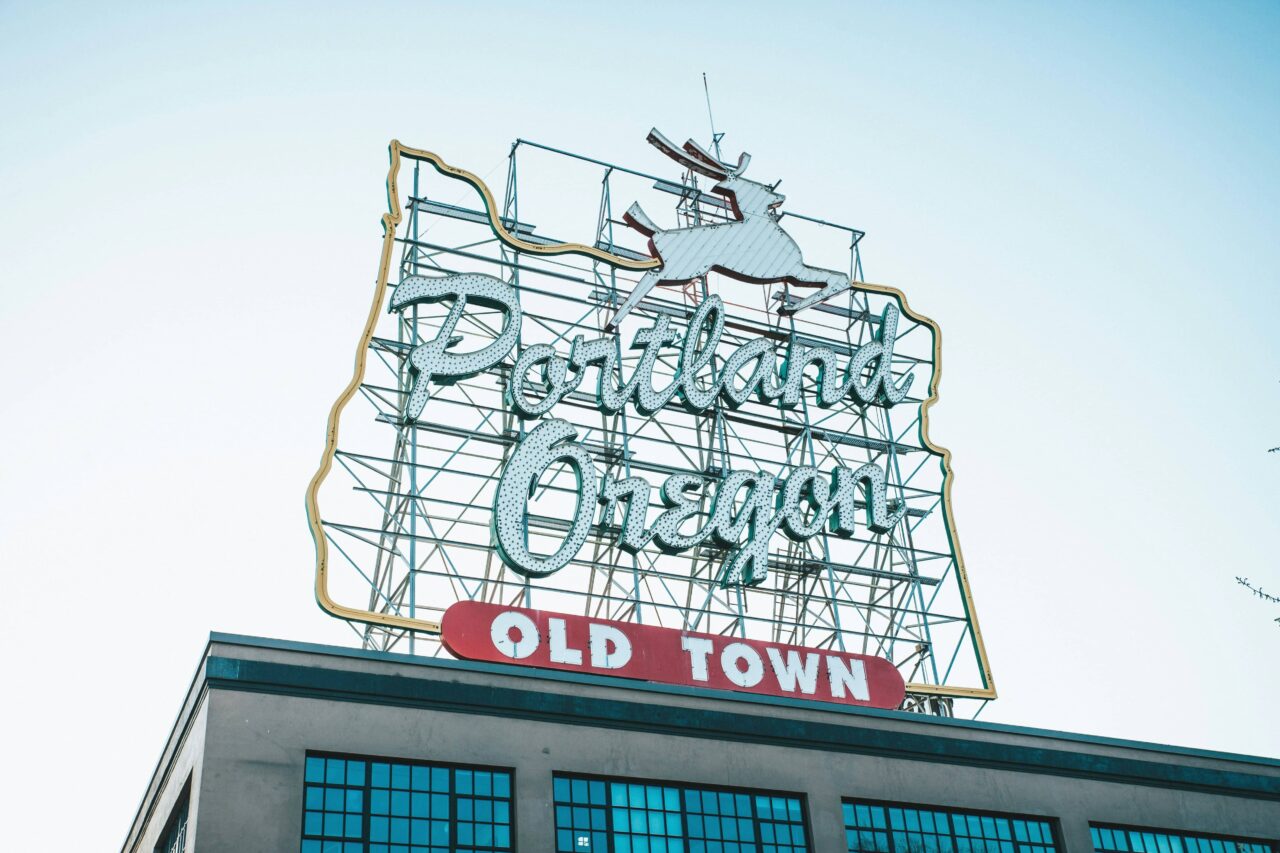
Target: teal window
<point>373,805</point>
<point>1137,840</point>
<point>598,815</point>
<point>871,827</point>
<point>174,837</point>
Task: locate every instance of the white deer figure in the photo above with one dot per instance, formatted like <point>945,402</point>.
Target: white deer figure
<point>753,248</point>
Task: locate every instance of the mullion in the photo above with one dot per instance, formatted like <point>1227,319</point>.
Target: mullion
<point>608,813</point>
<point>367,815</point>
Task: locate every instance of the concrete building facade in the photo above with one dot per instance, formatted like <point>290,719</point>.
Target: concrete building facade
<point>284,746</point>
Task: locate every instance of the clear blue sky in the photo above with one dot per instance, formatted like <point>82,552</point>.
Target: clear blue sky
<point>1083,195</point>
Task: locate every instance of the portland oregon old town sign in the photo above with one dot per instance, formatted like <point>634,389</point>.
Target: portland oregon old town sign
<point>644,426</point>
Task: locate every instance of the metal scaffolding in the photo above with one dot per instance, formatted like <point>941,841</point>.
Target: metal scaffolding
<point>410,520</point>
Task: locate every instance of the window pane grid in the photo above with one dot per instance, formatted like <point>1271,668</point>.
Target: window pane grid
<point>367,805</point>
<point>174,839</point>
<point>623,816</point>
<point>1132,840</point>
<point>887,828</point>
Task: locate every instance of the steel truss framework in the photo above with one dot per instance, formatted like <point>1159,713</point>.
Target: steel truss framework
<point>407,520</point>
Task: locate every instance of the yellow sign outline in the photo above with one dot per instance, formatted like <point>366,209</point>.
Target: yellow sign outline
<point>391,220</point>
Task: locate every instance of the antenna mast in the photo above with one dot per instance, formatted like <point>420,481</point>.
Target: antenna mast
<point>715,137</point>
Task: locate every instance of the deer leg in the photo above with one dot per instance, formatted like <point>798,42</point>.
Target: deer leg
<point>642,288</point>
<point>831,283</point>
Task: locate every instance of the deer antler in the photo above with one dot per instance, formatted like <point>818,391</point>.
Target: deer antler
<point>702,155</point>
<point>710,167</point>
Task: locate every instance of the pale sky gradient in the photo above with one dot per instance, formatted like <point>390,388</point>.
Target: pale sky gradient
<point>1085,196</point>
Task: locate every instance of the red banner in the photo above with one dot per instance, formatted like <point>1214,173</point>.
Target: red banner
<point>492,632</point>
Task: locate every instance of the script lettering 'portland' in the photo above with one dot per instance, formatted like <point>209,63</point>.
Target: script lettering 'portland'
<point>746,507</point>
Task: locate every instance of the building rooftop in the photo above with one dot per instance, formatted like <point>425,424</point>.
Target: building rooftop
<point>255,665</point>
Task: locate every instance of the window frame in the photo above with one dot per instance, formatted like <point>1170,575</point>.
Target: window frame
<point>370,760</point>
<point>1273,843</point>
<point>683,786</point>
<point>1055,823</point>
<point>181,809</point>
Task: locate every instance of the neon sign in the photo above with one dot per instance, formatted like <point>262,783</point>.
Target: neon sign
<point>748,459</point>
<point>801,505</point>
<point>502,634</point>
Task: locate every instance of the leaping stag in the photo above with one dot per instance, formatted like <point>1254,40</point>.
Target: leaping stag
<point>754,248</point>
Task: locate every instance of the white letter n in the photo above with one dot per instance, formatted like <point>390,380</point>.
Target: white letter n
<point>852,675</point>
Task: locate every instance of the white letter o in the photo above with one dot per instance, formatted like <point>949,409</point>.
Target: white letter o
<point>735,652</point>
<point>500,634</point>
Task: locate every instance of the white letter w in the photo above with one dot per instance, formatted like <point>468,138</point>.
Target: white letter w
<point>792,671</point>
